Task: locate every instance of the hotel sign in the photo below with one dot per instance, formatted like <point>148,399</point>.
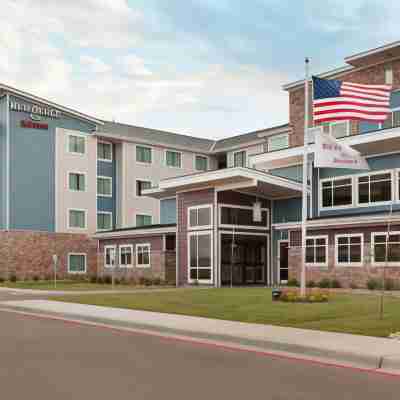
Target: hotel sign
<point>35,110</point>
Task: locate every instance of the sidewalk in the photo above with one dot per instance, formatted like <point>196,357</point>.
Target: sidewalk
<point>359,351</point>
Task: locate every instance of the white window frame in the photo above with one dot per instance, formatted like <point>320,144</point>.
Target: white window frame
<point>106,213</point>
<point>202,156</point>
<point>199,233</point>
<point>148,245</point>
<point>97,186</point>
<point>382,263</point>
<point>151,152</point>
<point>69,263</point>
<point>76,135</point>
<point>109,247</point>
<point>173,151</point>
<point>270,138</point>
<point>388,70</point>
<point>200,227</point>
<point>112,154</point>
<point>347,122</point>
<point>141,180</point>
<point>68,219</point>
<point>242,226</point>
<point>245,158</point>
<point>337,178</point>
<point>125,246</point>
<point>147,215</point>
<point>311,132</point>
<point>76,173</point>
<point>316,264</point>
<point>349,264</point>
<point>377,203</point>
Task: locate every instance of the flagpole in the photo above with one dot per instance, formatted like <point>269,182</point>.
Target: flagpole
<point>305,181</point>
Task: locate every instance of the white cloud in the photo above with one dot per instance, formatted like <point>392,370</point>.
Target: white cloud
<point>95,64</point>
<point>134,65</point>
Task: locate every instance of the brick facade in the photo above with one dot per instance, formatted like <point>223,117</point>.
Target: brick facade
<point>28,254</point>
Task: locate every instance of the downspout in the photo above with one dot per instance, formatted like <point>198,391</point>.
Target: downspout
<point>177,243</point>
<point>217,278</point>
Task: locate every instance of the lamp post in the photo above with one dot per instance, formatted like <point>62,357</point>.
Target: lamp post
<point>55,262</point>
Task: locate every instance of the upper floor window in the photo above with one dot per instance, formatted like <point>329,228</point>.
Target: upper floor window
<point>200,217</point>
<point>76,181</point>
<point>104,186</point>
<point>317,251</point>
<point>77,219</point>
<point>336,192</point>
<point>388,74</point>
<point>104,221</point>
<point>144,154</point>
<point>76,144</point>
<point>375,188</point>
<point>243,216</point>
<point>239,159</point>
<point>278,142</point>
<point>104,151</point>
<point>173,159</point>
<point>339,129</point>
<point>143,220</point>
<point>201,163</point>
<point>142,185</point>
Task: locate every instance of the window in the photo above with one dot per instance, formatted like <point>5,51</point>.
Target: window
<point>317,251</point>
<point>104,186</point>
<point>375,188</point>
<point>170,243</point>
<point>143,154</point>
<point>388,74</point>
<point>239,159</point>
<point>278,142</point>
<point>201,163</point>
<point>104,151</point>
<point>143,220</point>
<point>143,255</point>
<point>242,216</point>
<point>336,193</point>
<point>200,216</point>
<point>76,181</point>
<point>77,219</point>
<point>312,132</point>
<point>109,256</point>
<point>104,221</point>
<point>339,129</point>
<point>76,144</point>
<point>76,263</point>
<point>173,159</point>
<point>349,249</point>
<point>125,256</point>
<point>142,185</point>
<point>383,254</point>
<point>200,257</point>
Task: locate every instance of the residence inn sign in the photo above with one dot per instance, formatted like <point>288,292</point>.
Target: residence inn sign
<point>34,109</point>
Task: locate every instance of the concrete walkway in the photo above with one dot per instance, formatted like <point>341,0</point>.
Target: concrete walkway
<point>354,350</point>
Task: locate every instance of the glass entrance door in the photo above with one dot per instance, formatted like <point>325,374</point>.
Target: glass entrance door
<point>283,261</point>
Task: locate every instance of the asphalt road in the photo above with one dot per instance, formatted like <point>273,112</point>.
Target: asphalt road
<point>47,359</point>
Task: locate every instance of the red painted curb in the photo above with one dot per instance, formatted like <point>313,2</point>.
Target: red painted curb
<point>203,342</point>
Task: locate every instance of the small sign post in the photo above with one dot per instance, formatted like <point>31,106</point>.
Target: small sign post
<point>112,259</point>
<point>55,261</point>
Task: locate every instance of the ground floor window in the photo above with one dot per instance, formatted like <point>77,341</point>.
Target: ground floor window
<point>349,249</point>
<point>143,255</point>
<point>386,248</point>
<point>77,263</point>
<point>109,256</point>
<point>200,257</point>
<point>125,256</point>
<point>317,251</point>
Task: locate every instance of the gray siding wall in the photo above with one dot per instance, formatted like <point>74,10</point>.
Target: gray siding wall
<point>168,211</point>
<point>3,149</point>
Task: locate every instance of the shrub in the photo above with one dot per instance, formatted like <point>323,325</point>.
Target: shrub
<point>35,278</point>
<point>122,280</point>
<point>93,278</point>
<point>353,285</point>
<point>132,281</point>
<point>157,281</point>
<point>142,281</point>
<point>325,283</point>
<point>148,281</point>
<point>13,278</point>
<point>293,282</point>
<point>107,279</point>
<point>390,284</point>
<point>1,279</point>
<point>311,284</point>
<point>336,284</point>
<point>373,284</point>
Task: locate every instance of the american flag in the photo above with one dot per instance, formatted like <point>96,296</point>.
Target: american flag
<point>336,100</point>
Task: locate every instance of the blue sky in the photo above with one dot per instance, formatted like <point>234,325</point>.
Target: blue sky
<point>201,67</point>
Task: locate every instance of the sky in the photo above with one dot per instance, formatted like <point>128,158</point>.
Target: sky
<point>209,68</point>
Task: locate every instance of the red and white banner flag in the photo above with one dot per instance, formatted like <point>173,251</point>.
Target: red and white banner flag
<point>329,153</point>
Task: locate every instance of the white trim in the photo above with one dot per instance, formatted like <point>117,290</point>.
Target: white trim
<point>141,180</point>
<point>203,156</point>
<point>109,247</point>
<point>79,135</point>
<point>8,162</point>
<point>106,213</point>
<point>148,245</point>
<point>333,123</point>
<point>125,246</point>
<point>287,225</point>
<point>315,264</point>
<point>200,227</point>
<point>68,218</point>
<point>151,154</point>
<point>221,225</point>
<point>211,267</point>
<point>279,259</point>
<point>112,152</point>
<point>382,263</point>
<point>370,52</point>
<point>349,264</point>
<point>173,166</point>
<point>245,158</point>
<point>97,186</point>
<point>270,138</point>
<point>77,173</point>
<point>332,179</point>
<point>135,232</point>
<point>142,214</point>
<point>69,261</point>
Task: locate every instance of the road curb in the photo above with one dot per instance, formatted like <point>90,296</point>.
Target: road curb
<point>388,365</point>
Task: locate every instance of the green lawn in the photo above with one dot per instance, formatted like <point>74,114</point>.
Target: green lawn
<point>61,285</point>
<point>351,313</point>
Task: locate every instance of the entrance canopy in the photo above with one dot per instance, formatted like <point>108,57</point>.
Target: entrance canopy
<point>246,179</point>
